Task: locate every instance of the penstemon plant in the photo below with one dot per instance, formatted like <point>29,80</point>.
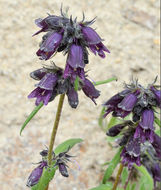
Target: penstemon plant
<point>134,122</point>
<point>62,34</point>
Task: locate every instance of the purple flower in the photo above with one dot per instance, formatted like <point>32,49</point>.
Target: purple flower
<point>144,134</point>
<point>49,45</point>
<point>157,94</point>
<point>121,104</point>
<point>94,41</point>
<point>156,173</point>
<point>72,97</point>
<point>128,103</point>
<point>147,119</point>
<point>51,22</point>
<point>115,130</point>
<point>90,91</point>
<point>72,73</point>
<point>157,145</point>
<point>131,153</point>
<point>91,35</point>
<point>145,129</point>
<point>75,57</point>
<point>36,174</point>
<point>44,89</point>
<point>38,74</point>
<point>63,170</point>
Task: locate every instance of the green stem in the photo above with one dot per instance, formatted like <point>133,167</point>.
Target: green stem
<point>54,131</point>
<point>118,177</point>
<point>105,81</point>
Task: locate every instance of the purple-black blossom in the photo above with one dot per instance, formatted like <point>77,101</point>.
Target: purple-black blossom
<point>75,57</point>
<point>145,128</point>
<point>131,153</point>
<point>49,45</point>
<point>36,174</point>
<point>94,41</point>
<point>90,91</point>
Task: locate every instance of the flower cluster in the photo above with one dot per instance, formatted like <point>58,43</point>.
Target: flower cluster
<point>141,103</point>
<point>53,82</point>
<point>73,38</point>
<point>60,160</point>
<point>70,36</point>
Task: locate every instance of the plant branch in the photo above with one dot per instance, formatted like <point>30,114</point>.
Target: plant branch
<point>118,177</point>
<point>130,174</point>
<point>54,131</point>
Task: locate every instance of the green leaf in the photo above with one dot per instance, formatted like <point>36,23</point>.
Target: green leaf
<point>32,114</point>
<point>133,186</point>
<point>47,176</point>
<point>157,121</point>
<point>113,121</point>
<point>68,144</point>
<point>146,178</point>
<point>124,175</point>
<point>76,84</point>
<point>105,81</point>
<point>102,187</point>
<point>112,166</point>
<point>101,121</point>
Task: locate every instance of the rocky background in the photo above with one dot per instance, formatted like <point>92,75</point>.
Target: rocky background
<point>131,32</point>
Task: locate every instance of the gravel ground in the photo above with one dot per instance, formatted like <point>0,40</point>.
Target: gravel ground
<point>131,32</point>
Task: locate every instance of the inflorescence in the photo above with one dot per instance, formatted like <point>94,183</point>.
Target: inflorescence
<point>137,133</point>
<point>72,38</point>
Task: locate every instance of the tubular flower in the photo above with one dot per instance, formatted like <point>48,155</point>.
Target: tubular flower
<point>131,153</point>
<point>75,57</point>
<point>94,41</point>
<point>90,91</point>
<point>49,45</point>
<point>36,174</point>
<point>145,129</point>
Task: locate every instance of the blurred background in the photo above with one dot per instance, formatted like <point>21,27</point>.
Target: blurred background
<point>131,33</point>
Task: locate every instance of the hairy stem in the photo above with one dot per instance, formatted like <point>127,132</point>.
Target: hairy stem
<point>54,131</point>
<point>118,177</point>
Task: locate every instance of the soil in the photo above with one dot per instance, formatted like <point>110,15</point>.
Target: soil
<point>131,32</point>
